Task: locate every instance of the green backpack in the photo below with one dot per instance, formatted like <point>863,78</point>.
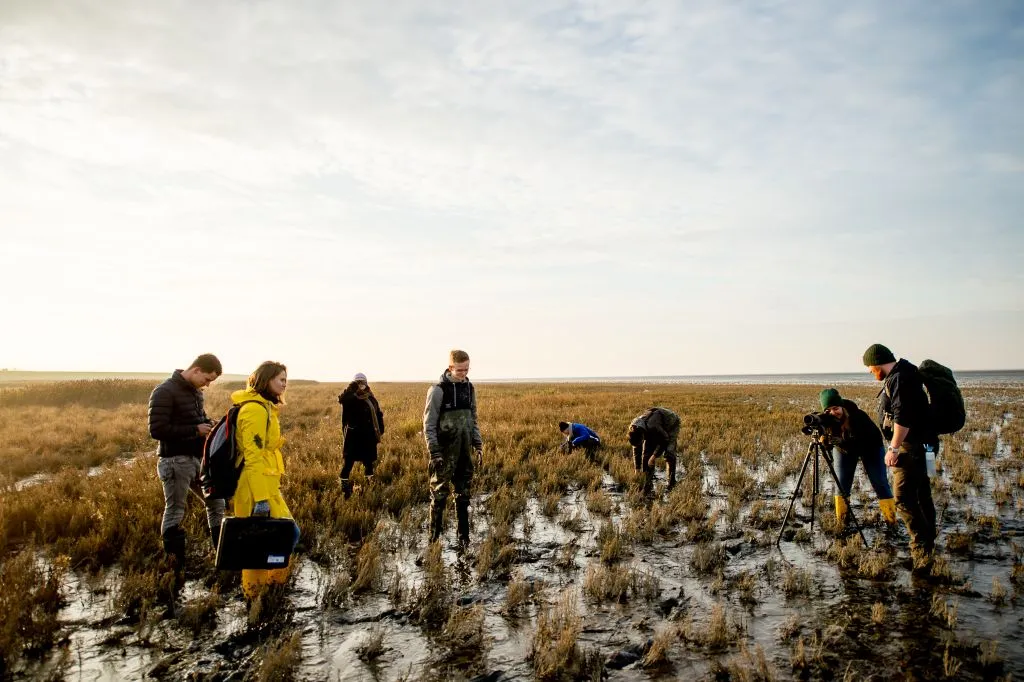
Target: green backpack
<point>946,403</point>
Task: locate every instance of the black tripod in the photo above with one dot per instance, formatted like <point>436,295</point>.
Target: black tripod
<point>820,445</point>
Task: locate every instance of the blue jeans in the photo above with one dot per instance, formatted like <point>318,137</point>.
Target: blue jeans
<point>874,466</point>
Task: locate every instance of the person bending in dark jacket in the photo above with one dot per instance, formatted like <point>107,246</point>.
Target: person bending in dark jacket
<point>857,438</point>
<point>362,424</point>
<point>177,419</point>
<point>652,434</point>
<point>903,413</point>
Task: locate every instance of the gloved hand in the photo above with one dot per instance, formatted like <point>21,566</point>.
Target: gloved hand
<point>436,462</point>
<point>261,508</point>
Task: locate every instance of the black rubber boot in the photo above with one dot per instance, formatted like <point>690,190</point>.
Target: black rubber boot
<point>346,488</point>
<point>462,515</point>
<point>436,522</point>
<point>174,546</point>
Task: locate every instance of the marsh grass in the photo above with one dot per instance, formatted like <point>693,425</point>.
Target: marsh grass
<point>372,647</point>
<point>749,666</point>
<point>719,630</point>
<point>520,592</point>
<point>30,599</point>
<point>369,567</point>
<point>280,658</point>
<point>200,613</point>
<point>464,642</point>
<point>740,445</point>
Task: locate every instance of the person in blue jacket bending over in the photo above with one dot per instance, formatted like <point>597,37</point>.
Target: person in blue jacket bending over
<point>579,436</point>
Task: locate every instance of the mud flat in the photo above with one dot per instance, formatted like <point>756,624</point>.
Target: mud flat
<point>572,573</point>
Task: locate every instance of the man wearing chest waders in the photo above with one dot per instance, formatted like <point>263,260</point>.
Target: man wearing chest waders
<point>453,442</point>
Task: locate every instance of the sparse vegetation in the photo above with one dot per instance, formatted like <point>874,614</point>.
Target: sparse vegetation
<point>615,550</point>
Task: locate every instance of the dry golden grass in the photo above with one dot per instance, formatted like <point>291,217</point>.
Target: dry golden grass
<point>737,442</point>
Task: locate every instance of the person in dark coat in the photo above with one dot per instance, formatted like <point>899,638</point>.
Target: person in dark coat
<point>362,425</point>
<point>857,438</point>
<point>178,421</point>
<point>904,418</point>
<point>653,434</point>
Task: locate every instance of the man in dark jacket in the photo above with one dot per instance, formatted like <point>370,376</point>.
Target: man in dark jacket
<point>903,413</point>
<point>652,434</point>
<point>362,424</point>
<point>856,437</point>
<point>453,437</point>
<point>177,419</point>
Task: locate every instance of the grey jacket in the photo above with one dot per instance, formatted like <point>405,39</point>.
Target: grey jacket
<point>659,422</point>
<point>432,413</point>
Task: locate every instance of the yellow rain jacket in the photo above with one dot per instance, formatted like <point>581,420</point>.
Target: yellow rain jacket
<point>259,441</point>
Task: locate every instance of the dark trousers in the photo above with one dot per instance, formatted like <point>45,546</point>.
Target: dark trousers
<point>642,462</point>
<point>346,467</point>
<point>913,492</point>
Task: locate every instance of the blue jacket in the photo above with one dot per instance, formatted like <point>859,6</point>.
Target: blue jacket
<point>579,434</point>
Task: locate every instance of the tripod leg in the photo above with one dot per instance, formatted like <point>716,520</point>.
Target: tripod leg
<point>792,498</point>
<point>846,498</point>
<point>814,486</point>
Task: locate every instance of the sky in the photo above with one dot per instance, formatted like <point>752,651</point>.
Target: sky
<point>594,188</point>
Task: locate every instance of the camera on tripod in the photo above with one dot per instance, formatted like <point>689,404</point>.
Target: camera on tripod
<point>819,424</point>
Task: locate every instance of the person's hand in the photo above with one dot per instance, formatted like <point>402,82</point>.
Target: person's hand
<point>891,456</point>
<point>650,461</point>
<point>261,508</point>
<point>203,429</point>
<point>436,462</point>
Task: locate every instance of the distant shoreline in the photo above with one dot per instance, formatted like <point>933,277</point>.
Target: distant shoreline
<point>966,378</point>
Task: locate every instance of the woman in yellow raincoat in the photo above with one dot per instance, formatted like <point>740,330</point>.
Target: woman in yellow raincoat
<point>259,441</point>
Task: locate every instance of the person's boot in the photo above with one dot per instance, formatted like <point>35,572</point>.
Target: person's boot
<point>888,509</point>
<point>346,488</point>
<point>462,514</point>
<point>671,470</point>
<point>841,509</point>
<point>174,546</point>
<point>436,522</point>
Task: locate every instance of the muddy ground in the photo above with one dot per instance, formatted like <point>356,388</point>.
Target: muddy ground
<point>717,600</point>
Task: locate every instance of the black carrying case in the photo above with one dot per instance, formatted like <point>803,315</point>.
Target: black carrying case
<point>255,542</point>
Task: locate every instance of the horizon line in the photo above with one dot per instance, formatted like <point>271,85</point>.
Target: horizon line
<point>592,378</point>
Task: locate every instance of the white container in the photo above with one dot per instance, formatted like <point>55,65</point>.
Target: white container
<point>929,460</point>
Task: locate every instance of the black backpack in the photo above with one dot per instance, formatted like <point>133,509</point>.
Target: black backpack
<point>219,470</point>
<point>946,403</point>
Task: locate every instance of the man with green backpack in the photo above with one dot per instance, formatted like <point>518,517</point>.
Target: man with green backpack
<point>912,420</point>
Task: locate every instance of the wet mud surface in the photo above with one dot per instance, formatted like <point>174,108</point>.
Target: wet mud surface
<point>829,626</point>
<point>687,585</point>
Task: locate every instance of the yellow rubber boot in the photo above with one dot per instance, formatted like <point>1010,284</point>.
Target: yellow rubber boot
<point>841,509</point>
<point>888,508</point>
<point>254,579</point>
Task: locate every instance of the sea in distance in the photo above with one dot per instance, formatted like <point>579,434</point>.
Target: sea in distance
<point>1008,377</point>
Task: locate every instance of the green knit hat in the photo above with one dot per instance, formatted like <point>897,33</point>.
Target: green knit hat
<point>829,398</point>
<point>877,354</point>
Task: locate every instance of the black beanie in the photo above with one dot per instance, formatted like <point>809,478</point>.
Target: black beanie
<point>562,426</point>
<point>877,354</point>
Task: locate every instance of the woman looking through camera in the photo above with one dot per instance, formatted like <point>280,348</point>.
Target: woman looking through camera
<point>856,437</point>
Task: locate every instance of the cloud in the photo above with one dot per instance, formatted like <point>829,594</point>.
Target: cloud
<point>716,160</point>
